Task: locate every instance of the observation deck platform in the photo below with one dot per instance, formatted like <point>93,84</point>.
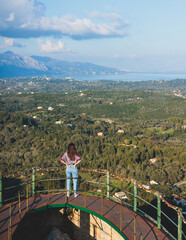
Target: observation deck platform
<point>126,222</point>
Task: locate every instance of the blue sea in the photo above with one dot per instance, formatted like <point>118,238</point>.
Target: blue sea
<point>132,77</point>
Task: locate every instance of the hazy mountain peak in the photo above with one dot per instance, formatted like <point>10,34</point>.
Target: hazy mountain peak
<point>8,52</point>
<point>10,59</point>
<point>13,65</point>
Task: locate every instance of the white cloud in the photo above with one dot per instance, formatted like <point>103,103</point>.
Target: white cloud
<point>132,55</point>
<point>96,14</point>
<point>10,42</point>
<point>11,17</point>
<point>116,55</point>
<point>74,27</point>
<point>25,19</point>
<point>48,46</point>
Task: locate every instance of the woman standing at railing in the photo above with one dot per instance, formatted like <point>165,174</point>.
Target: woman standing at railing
<point>71,159</point>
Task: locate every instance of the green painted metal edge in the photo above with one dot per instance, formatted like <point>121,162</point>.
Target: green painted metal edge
<point>1,190</point>
<point>67,205</point>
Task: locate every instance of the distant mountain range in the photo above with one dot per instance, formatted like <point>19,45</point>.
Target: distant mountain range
<point>13,65</point>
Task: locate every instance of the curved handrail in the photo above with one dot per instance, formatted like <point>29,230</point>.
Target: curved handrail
<point>101,171</point>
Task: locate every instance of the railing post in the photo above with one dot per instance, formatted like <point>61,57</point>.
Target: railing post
<point>8,231</point>
<point>66,191</point>
<point>27,197</point>
<point>10,222</point>
<point>85,198</point>
<point>158,211</point>
<point>19,199</point>
<point>179,226</point>
<point>33,181</point>
<point>48,191</point>
<point>1,190</point>
<point>134,227</point>
<point>101,202</point>
<point>135,197</point>
<point>121,217</point>
<point>108,184</point>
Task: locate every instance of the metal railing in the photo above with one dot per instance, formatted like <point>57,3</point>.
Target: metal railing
<point>36,186</point>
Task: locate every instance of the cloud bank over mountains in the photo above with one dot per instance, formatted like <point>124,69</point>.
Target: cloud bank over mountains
<point>26,19</point>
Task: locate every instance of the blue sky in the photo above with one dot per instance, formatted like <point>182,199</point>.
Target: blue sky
<point>134,35</point>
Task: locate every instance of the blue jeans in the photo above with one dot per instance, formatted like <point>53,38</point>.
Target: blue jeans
<point>71,171</point>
